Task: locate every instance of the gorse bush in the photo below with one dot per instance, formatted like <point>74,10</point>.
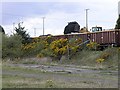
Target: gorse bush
<point>59,48</point>
<point>48,47</point>
<point>74,45</point>
<point>92,45</point>
<point>105,55</point>
<point>35,47</point>
<point>109,56</point>
<point>13,47</point>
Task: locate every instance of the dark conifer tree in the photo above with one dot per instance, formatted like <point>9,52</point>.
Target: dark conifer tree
<point>2,29</point>
<point>118,23</point>
<point>20,31</point>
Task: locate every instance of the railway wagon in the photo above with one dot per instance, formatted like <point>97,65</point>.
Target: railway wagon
<point>110,37</point>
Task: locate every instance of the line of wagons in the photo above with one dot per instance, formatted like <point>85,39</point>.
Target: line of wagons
<point>97,34</point>
<point>104,38</point>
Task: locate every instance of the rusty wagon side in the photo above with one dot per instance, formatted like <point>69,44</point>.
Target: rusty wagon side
<point>110,37</point>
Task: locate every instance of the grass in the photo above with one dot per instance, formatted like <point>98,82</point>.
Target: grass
<point>0,74</point>
<point>88,58</point>
<point>10,81</point>
<point>22,69</point>
<point>33,78</point>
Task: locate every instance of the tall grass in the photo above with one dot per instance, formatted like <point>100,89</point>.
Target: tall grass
<point>89,57</point>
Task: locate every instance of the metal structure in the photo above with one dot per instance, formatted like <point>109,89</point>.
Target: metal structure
<point>43,25</point>
<point>96,29</point>
<point>86,18</point>
<point>118,8</point>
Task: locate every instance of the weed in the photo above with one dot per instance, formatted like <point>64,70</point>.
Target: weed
<point>40,55</point>
<point>105,55</point>
<point>49,84</point>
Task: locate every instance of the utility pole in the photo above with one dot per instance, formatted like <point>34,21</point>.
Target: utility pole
<point>34,32</point>
<point>13,27</point>
<point>43,25</point>
<point>86,18</point>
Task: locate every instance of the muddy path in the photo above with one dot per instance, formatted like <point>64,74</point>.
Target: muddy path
<point>66,69</point>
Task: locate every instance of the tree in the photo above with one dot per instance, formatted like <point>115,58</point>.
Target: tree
<point>2,30</point>
<point>72,27</point>
<point>118,23</point>
<point>20,31</point>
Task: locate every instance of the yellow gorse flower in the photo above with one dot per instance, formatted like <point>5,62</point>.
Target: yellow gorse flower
<point>100,60</point>
<point>92,45</point>
<point>59,46</point>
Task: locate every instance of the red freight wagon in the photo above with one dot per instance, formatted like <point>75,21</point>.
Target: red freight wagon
<point>111,37</point>
<point>117,36</point>
<point>106,37</point>
<point>84,36</point>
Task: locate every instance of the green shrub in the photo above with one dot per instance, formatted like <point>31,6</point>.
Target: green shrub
<point>11,46</point>
<point>119,49</point>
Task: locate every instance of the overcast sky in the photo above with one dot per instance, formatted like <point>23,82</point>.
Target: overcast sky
<point>57,14</point>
